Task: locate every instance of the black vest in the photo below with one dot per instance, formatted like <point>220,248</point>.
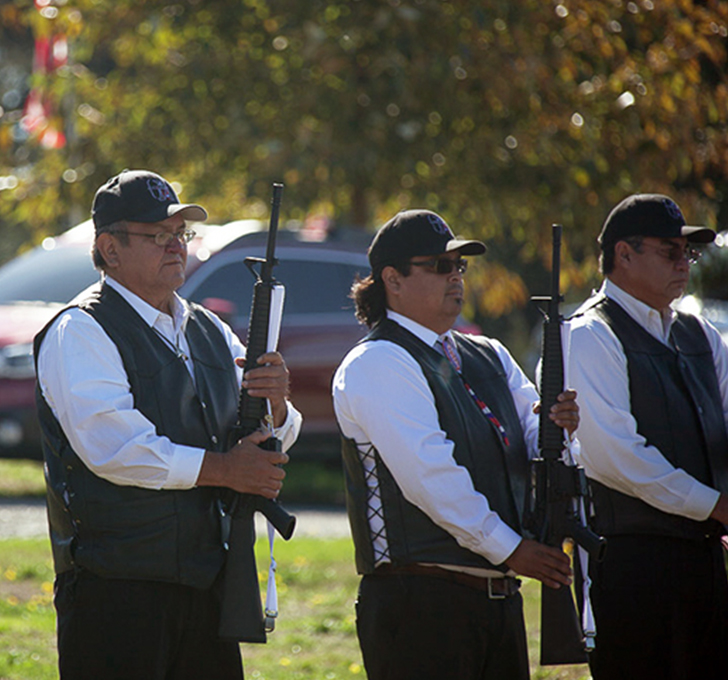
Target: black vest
<point>499,472</point>
<point>126,531</point>
<point>676,402</point>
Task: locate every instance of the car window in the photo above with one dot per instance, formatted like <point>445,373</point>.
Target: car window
<point>47,275</point>
<point>311,287</point>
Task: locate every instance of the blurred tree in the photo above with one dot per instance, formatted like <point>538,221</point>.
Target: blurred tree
<point>16,58</point>
<point>503,116</point>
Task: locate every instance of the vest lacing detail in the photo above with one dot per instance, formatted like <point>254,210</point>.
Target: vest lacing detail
<point>375,515</point>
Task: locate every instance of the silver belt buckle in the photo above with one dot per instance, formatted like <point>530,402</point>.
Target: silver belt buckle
<point>491,594</point>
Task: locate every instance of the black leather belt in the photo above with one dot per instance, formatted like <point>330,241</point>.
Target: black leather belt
<point>497,588</point>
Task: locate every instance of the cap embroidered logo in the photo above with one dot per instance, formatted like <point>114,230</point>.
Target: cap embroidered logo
<point>673,210</point>
<point>438,224</point>
<point>160,190</point>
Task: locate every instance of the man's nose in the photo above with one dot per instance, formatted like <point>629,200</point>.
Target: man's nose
<point>177,242</point>
<point>684,262</point>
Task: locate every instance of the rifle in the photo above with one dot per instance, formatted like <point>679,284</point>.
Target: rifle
<point>241,616</point>
<point>558,491</point>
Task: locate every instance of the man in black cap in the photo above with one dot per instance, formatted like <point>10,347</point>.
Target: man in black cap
<point>438,427</point>
<point>137,391</point>
<point>653,392</point>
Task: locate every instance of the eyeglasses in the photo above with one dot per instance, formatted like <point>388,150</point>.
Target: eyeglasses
<point>442,265</point>
<point>164,238</point>
<point>675,253</point>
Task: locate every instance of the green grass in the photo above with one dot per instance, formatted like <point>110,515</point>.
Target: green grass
<point>27,619</point>
<point>315,637</point>
<point>21,478</point>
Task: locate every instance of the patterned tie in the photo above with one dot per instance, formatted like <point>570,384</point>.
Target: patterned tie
<point>449,350</point>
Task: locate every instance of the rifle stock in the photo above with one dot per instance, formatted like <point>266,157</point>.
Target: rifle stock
<point>241,615</point>
<point>556,489</point>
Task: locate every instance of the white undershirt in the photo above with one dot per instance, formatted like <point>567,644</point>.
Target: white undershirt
<point>83,380</point>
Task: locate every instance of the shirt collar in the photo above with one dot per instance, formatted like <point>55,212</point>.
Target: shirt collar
<point>656,323</point>
<point>151,315</point>
<point>429,337</point>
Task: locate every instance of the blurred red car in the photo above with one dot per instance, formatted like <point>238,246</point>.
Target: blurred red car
<point>318,327</point>
<point>318,320</point>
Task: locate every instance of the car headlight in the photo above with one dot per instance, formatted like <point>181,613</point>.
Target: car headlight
<point>16,361</point>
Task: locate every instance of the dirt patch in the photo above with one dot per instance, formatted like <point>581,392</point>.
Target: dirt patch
<point>23,591</point>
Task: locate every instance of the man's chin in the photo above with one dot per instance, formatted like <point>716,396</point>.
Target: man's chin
<point>679,289</point>
<point>176,280</point>
<point>455,308</point>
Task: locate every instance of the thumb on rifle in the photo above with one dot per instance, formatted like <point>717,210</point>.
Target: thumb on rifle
<point>256,437</point>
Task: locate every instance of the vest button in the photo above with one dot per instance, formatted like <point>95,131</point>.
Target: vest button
<point>204,405</point>
<point>214,439</point>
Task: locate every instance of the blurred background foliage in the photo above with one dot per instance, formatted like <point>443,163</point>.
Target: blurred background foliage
<point>504,117</point>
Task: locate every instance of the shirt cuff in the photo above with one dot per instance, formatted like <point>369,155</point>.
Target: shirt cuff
<point>501,544</point>
<point>288,432</point>
<point>700,502</point>
<point>185,466</point>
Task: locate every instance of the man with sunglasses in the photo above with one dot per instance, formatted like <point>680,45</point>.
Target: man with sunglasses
<point>137,392</point>
<point>438,427</point>
<point>653,392</point>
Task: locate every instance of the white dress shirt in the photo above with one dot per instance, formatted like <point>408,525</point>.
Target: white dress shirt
<point>381,397</point>
<point>83,380</point>
<point>612,452</point>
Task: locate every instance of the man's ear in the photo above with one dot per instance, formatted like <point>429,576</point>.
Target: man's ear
<point>622,254</point>
<point>391,279</point>
<point>108,246</point>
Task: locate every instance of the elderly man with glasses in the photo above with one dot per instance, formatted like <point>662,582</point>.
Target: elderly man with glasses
<point>137,392</point>
<point>653,392</point>
<point>437,431</point>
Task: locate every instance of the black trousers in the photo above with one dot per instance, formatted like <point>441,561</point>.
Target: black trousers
<point>139,630</point>
<point>415,627</point>
<point>661,609</point>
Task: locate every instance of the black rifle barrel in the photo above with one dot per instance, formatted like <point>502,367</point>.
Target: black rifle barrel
<point>557,490</point>
<point>551,436</point>
<point>241,616</point>
<point>251,410</point>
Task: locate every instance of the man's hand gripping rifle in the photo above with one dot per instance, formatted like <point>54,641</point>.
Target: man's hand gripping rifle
<point>241,617</point>
<point>559,493</point>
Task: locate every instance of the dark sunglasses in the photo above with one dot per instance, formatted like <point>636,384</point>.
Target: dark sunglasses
<point>441,265</point>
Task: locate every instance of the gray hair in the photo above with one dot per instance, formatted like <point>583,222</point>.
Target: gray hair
<point>118,227</point>
<point>606,259</point>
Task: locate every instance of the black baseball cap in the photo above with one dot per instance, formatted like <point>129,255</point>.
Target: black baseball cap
<point>412,233</point>
<point>650,215</point>
<point>140,196</point>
